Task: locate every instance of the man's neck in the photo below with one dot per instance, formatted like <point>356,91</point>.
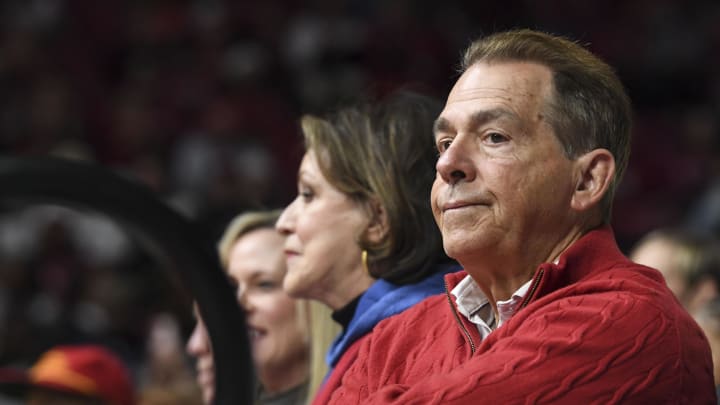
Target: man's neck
<point>499,275</point>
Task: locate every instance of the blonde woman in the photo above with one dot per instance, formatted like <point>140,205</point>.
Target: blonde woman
<point>251,251</point>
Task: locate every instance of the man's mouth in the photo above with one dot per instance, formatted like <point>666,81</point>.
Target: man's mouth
<point>458,204</point>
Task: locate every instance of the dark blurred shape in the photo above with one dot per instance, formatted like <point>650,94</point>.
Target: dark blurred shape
<point>169,237</point>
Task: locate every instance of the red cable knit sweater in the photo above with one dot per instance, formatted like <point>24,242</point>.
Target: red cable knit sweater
<point>596,329</point>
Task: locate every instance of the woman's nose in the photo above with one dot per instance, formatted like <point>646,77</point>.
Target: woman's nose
<point>244,300</point>
<point>198,342</point>
<point>286,223</point>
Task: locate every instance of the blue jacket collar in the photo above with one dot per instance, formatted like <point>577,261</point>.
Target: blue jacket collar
<point>383,300</point>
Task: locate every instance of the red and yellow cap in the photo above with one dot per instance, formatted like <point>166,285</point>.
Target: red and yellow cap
<point>86,370</point>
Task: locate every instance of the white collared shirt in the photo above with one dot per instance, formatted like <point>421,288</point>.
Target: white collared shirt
<point>474,305</point>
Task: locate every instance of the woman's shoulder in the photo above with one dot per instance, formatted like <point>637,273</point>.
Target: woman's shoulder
<point>428,312</point>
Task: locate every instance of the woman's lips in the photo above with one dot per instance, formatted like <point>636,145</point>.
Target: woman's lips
<point>205,371</point>
<point>256,333</point>
<point>290,253</point>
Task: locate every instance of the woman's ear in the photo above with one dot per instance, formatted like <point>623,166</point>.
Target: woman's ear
<point>595,173</point>
<point>378,227</point>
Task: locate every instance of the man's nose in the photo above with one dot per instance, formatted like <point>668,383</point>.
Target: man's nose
<point>455,164</point>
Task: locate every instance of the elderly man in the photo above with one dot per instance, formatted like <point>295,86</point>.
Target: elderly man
<point>532,141</point>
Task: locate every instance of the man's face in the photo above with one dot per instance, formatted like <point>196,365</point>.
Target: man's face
<point>503,183</point>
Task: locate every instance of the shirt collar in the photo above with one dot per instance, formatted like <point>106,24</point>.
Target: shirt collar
<point>474,305</point>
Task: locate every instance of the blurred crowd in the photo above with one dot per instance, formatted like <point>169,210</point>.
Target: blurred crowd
<point>200,101</point>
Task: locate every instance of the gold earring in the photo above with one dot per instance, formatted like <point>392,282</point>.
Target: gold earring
<point>363,258</point>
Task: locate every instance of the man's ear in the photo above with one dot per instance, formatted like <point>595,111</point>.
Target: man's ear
<point>378,227</point>
<point>595,172</point>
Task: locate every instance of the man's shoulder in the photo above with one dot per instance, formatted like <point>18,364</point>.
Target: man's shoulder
<point>625,299</point>
<point>632,284</point>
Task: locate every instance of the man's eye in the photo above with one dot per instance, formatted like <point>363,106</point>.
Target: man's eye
<point>443,145</point>
<point>496,137</point>
<point>267,285</point>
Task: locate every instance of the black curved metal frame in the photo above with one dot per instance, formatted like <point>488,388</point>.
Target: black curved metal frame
<point>169,237</point>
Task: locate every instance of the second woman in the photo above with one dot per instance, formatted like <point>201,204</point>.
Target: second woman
<point>361,237</point>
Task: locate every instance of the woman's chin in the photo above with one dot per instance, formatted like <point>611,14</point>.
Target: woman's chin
<point>295,287</point>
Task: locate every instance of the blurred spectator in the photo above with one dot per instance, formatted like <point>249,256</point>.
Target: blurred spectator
<point>690,263</point>
<point>67,276</point>
<point>168,379</point>
<point>251,251</point>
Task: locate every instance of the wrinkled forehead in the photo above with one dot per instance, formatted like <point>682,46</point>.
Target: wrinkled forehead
<point>510,91</point>
<point>505,82</point>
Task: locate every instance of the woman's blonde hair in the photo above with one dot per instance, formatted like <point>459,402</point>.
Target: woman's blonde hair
<point>241,225</point>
